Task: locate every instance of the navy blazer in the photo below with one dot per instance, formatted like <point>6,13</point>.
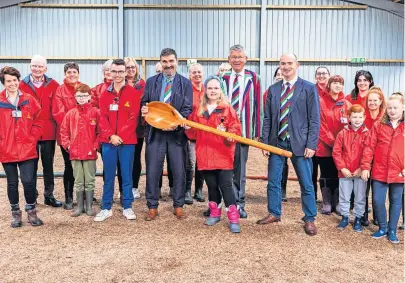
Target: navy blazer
<point>181,99</point>
<point>303,118</point>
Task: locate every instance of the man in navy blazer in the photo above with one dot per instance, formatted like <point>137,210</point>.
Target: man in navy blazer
<point>292,122</point>
<point>172,88</point>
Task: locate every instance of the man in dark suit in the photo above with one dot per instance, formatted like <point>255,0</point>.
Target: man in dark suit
<point>172,88</point>
<point>292,122</point>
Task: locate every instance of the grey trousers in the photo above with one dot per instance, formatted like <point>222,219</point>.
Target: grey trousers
<point>239,173</point>
<point>346,187</point>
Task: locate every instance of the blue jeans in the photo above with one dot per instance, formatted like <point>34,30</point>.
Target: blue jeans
<point>379,197</point>
<point>124,154</point>
<point>303,169</point>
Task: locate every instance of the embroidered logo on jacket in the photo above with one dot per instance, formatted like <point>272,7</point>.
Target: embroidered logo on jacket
<point>93,122</point>
<point>127,104</point>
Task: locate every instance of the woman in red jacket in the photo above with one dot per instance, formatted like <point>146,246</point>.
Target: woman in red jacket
<point>215,154</point>
<point>333,107</point>
<point>385,150</point>
<point>363,81</point>
<point>20,129</point>
<point>79,137</point>
<point>134,79</point>
<point>374,112</point>
<point>64,101</point>
<point>100,88</point>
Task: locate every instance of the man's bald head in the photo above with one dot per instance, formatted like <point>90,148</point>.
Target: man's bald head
<point>289,65</point>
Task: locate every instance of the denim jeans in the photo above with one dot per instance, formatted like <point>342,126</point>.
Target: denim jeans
<point>124,154</point>
<point>303,169</point>
<point>379,197</point>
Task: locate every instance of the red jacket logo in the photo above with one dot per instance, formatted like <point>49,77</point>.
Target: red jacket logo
<point>93,122</point>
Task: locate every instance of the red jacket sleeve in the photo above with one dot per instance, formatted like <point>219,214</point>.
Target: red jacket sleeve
<point>58,108</point>
<point>369,147</point>
<point>97,141</point>
<point>65,131</point>
<point>94,97</point>
<point>192,133</point>
<point>324,133</point>
<point>337,152</point>
<point>38,122</point>
<point>105,130</point>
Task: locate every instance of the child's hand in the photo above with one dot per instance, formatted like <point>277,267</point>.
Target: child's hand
<point>403,173</point>
<point>365,174</point>
<point>346,173</point>
<point>357,173</point>
<point>230,139</point>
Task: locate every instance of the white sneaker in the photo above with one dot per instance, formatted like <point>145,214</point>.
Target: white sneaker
<point>136,193</point>
<point>103,215</point>
<point>129,214</point>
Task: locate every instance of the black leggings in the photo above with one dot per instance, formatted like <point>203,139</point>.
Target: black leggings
<point>68,178</point>
<point>329,174</point>
<point>219,184</point>
<point>27,179</point>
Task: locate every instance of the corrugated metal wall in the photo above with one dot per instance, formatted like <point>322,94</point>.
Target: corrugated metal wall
<point>207,33</point>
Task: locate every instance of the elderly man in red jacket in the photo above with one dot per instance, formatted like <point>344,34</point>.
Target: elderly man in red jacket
<point>43,89</point>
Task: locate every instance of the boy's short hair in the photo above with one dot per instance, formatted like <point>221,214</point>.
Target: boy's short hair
<point>355,108</point>
<point>83,88</point>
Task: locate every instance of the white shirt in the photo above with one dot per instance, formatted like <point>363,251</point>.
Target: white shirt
<point>211,108</point>
<point>292,81</point>
<point>241,81</point>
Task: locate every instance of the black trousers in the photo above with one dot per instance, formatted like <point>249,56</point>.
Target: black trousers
<point>315,165</point>
<point>68,178</point>
<point>329,176</point>
<point>137,168</point>
<point>27,179</point>
<point>46,150</point>
<point>219,183</point>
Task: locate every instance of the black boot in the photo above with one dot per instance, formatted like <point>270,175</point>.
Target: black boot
<point>68,198</point>
<point>187,198</point>
<point>80,204</point>
<point>17,218</point>
<point>198,195</point>
<point>33,218</point>
<point>207,212</point>
<point>336,206</point>
<point>52,201</point>
<point>89,203</point>
<point>326,201</point>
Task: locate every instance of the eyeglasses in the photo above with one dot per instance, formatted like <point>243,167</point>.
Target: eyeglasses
<point>82,96</point>
<point>114,72</point>
<point>131,67</point>
<point>234,58</point>
<point>322,74</point>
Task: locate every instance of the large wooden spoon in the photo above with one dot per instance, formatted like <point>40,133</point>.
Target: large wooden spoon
<point>163,116</point>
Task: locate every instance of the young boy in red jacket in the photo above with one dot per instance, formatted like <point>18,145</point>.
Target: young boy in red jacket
<point>78,134</point>
<point>347,154</point>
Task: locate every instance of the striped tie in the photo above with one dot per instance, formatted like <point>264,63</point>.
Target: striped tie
<point>168,91</point>
<point>235,94</point>
<point>285,103</point>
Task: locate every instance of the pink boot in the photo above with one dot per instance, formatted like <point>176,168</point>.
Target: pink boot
<point>233,217</point>
<point>215,214</point>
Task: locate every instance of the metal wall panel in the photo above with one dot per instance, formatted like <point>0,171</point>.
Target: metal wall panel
<point>58,32</point>
<point>192,33</point>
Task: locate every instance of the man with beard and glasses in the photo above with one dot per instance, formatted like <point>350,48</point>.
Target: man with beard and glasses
<point>172,88</point>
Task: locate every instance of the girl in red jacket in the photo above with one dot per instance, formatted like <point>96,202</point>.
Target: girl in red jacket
<point>78,134</point>
<point>215,154</point>
<point>333,118</point>
<point>20,129</point>
<point>347,153</point>
<point>385,150</point>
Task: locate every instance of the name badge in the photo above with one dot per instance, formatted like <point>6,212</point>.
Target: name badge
<point>113,107</point>
<point>16,114</point>
<point>343,120</point>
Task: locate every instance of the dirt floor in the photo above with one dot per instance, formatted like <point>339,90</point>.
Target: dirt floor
<point>168,250</point>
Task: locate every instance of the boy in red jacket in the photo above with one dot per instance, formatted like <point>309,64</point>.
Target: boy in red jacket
<point>347,154</point>
<point>78,135</point>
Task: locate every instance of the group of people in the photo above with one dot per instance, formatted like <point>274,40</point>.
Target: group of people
<point>356,140</point>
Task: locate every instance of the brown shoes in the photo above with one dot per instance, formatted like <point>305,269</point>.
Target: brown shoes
<point>268,219</point>
<point>152,214</point>
<point>310,228</point>
<point>178,211</point>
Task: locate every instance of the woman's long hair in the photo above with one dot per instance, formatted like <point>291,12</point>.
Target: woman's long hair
<point>355,92</point>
